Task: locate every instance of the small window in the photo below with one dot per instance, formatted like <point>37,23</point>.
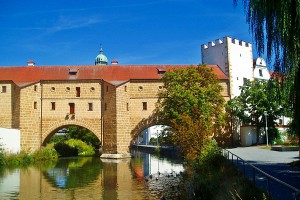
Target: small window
<point>72,108</point>
<point>77,91</point>
<point>105,107</point>
<point>67,89</point>
<point>125,88</point>
<point>90,106</point>
<point>141,88</point>
<point>245,80</point>
<point>92,89</point>
<point>106,88</point>
<point>52,89</point>
<point>280,121</point>
<point>35,88</point>
<point>52,105</point>
<point>144,105</point>
<point>35,105</point>
<point>160,87</point>
<point>260,73</point>
<point>127,106</point>
<point>3,89</point>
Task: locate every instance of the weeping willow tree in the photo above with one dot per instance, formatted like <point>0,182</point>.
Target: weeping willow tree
<point>276,28</point>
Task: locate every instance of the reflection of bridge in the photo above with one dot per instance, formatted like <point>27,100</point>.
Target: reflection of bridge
<point>116,103</point>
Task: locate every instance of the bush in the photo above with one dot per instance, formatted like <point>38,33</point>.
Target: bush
<point>1,158</point>
<point>65,150</point>
<point>82,147</point>
<point>21,159</point>
<point>46,153</point>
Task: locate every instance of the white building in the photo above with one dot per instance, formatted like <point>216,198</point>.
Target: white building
<point>235,59</point>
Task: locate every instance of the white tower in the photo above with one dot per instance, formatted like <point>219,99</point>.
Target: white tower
<point>235,59</point>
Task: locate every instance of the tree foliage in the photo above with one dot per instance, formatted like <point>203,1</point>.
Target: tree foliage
<point>276,23</point>
<point>193,106</point>
<point>257,97</point>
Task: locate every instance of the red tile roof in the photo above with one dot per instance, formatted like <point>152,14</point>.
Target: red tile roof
<point>114,74</point>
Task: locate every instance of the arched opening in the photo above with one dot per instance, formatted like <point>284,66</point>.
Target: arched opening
<point>66,132</point>
<point>156,135</point>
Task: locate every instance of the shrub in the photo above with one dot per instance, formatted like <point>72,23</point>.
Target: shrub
<point>1,158</point>
<point>65,150</point>
<point>82,147</point>
<point>21,159</point>
<point>46,153</point>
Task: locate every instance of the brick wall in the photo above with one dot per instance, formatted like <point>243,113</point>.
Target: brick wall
<point>56,99</point>
<point>6,103</point>
<point>30,115</point>
<point>109,119</point>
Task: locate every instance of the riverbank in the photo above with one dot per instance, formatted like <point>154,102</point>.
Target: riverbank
<point>214,177</point>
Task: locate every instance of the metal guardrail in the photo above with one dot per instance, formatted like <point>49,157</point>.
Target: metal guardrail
<point>255,172</point>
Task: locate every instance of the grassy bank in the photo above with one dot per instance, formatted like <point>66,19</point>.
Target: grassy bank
<point>214,177</point>
<point>51,152</point>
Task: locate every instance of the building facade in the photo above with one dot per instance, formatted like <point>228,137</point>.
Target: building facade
<point>115,102</point>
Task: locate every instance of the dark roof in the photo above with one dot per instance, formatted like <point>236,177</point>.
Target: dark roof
<point>25,75</point>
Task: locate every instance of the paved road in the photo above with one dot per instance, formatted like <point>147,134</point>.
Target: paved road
<point>274,163</point>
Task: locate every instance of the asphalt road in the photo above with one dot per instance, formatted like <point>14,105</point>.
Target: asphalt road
<point>275,163</point>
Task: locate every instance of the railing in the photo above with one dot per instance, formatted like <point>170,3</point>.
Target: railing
<point>274,187</point>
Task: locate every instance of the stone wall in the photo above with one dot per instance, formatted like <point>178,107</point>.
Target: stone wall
<point>30,117</point>
<point>56,99</point>
<point>6,104</point>
<point>109,119</point>
<point>123,108</point>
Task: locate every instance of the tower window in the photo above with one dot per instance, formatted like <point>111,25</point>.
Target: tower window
<point>52,105</point>
<point>245,80</point>
<point>144,105</point>
<point>3,89</point>
<point>90,106</point>
<point>125,88</point>
<point>105,107</point>
<point>77,91</point>
<point>72,108</point>
<point>106,88</point>
<point>35,105</point>
<point>260,73</point>
<point>35,88</point>
<point>127,106</point>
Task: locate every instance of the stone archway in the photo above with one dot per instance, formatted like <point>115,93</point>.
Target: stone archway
<point>47,134</point>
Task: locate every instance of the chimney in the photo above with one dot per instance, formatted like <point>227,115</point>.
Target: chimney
<point>114,62</point>
<point>30,63</point>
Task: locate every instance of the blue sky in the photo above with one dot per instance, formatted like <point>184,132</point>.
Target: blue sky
<point>70,32</point>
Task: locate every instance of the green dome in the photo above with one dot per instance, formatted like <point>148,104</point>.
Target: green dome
<point>101,59</point>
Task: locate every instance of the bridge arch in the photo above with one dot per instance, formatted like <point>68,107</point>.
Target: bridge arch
<point>49,132</point>
<point>145,123</point>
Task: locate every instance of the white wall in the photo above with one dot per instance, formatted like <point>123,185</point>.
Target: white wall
<point>234,57</point>
<point>10,140</point>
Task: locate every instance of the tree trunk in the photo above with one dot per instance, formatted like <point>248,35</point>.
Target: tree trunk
<point>296,119</point>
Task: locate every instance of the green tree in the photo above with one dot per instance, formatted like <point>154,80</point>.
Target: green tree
<point>257,97</point>
<point>276,25</point>
<point>193,106</point>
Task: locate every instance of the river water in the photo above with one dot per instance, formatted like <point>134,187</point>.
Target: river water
<point>144,176</point>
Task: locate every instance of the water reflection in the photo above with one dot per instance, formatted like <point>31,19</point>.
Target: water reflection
<point>71,173</point>
<point>93,178</point>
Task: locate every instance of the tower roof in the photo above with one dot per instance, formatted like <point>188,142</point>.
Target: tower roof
<point>101,59</point>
